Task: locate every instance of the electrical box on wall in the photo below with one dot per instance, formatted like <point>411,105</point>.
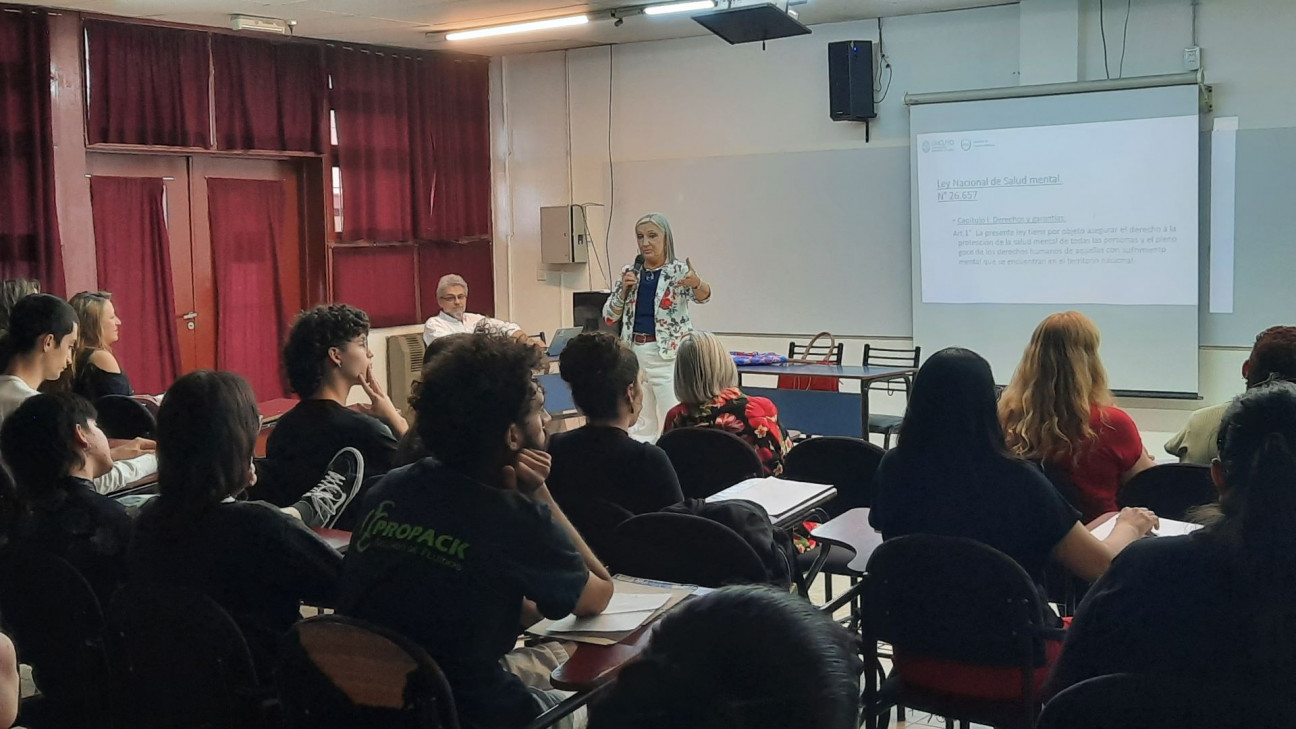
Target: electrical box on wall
<point>564,235</point>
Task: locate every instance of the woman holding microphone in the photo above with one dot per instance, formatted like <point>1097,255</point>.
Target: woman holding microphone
<point>652,305</point>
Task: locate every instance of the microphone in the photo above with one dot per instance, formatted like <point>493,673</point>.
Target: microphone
<point>638,265</point>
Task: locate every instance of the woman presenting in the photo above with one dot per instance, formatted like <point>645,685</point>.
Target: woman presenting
<point>652,304</point>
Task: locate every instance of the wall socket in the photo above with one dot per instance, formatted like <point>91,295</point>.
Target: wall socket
<point>1192,59</point>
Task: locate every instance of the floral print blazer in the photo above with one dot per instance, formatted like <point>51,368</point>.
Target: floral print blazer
<point>672,314</point>
<point>754,419</point>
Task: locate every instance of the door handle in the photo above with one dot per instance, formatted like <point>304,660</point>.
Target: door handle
<point>189,318</point>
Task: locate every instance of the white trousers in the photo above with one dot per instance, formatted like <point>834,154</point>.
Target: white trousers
<point>658,391</point>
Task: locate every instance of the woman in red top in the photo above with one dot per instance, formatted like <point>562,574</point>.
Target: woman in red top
<point>1058,410</point>
<point>706,383</point>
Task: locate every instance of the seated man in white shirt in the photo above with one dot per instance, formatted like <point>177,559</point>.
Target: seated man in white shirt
<point>452,295</point>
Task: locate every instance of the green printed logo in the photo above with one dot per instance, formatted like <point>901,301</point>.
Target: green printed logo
<point>379,529</point>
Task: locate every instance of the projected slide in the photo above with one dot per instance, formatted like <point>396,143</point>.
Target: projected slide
<point>1098,213</point>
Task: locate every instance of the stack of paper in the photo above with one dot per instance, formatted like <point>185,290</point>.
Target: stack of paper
<point>780,497</point>
<point>1168,528</point>
<point>634,604</point>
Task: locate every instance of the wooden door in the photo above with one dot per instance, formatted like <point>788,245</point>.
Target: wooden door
<point>174,171</point>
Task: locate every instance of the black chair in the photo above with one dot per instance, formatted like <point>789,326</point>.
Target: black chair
<point>1132,701</point>
<point>1170,489</point>
<point>889,425</point>
<point>687,549</point>
<point>183,661</point>
<point>124,417</point>
<point>708,460</point>
<point>341,673</point>
<point>57,627</point>
<point>954,600</point>
<point>597,519</point>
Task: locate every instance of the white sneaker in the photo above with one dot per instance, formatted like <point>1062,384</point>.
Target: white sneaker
<point>338,486</point>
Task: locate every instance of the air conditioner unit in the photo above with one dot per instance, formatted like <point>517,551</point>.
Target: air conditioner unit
<point>261,25</point>
<point>404,367</point>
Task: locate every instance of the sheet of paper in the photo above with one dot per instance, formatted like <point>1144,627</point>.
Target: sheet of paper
<point>1168,528</point>
<point>603,623</point>
<point>635,602</point>
<point>778,496</point>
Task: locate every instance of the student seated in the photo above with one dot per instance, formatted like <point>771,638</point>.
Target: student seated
<point>36,349</point>
<point>1057,410</point>
<point>256,561</point>
<point>1273,356</point>
<point>96,371</point>
<point>410,448</point>
<point>450,547</point>
<point>951,475</point>
<point>599,460</point>
<point>739,658</point>
<point>706,383</point>
<point>1218,604</point>
<point>452,295</point>
<point>11,290</point>
<point>327,354</point>
<point>54,450</point>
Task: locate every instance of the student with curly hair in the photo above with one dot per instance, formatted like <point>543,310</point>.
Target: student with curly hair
<point>327,354</point>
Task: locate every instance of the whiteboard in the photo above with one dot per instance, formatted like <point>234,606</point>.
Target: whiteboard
<point>791,243</point>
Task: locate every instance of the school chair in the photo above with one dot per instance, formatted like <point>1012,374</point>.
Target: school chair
<point>341,673</point>
<point>686,549</point>
<point>1172,490</point>
<point>57,626</point>
<point>708,460</point>
<point>889,425</point>
<point>1133,701</point>
<point>123,417</point>
<point>967,628</point>
<point>183,663</point>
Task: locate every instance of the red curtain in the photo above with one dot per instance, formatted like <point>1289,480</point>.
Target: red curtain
<point>473,261</point>
<point>247,228</point>
<point>268,95</point>
<point>379,280</point>
<point>383,106</point>
<point>461,199</point>
<point>148,85</point>
<point>133,252</point>
<point>29,238</point>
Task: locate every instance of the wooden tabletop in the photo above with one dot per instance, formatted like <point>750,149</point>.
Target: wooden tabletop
<point>336,538</point>
<point>592,665</point>
<point>852,531</point>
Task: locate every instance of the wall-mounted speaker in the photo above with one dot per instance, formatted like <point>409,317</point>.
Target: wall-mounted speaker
<point>850,80</point>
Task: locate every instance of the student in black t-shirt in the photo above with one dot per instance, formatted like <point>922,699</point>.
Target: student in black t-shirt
<point>1218,605</point>
<point>739,658</point>
<point>253,559</point>
<point>451,546</point>
<point>327,354</point>
<point>54,449</point>
<point>600,462</point>
<point>951,474</point>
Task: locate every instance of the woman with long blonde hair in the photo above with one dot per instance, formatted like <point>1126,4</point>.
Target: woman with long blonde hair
<point>95,369</point>
<point>1058,410</point>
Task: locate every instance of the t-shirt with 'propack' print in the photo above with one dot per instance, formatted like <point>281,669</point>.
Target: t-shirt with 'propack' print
<point>446,561</point>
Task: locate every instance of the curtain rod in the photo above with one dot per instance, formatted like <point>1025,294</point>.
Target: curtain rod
<point>1074,87</point>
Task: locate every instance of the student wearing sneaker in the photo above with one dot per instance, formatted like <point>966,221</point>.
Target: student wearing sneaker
<point>327,354</point>
<point>36,349</point>
<point>257,562</point>
<point>450,547</point>
<point>54,449</point>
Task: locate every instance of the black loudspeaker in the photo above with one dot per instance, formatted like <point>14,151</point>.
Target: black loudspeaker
<point>587,311</point>
<point>850,80</point>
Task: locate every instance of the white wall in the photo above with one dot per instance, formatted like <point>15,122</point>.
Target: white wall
<point>699,97</point>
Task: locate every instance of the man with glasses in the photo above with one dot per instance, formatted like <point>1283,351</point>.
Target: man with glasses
<point>452,295</point>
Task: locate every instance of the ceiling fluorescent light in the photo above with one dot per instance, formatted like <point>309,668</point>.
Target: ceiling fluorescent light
<point>683,7</point>
<point>495,30</point>
<point>264,25</point>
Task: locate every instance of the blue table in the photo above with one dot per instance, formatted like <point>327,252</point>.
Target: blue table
<point>825,412</point>
<point>815,412</point>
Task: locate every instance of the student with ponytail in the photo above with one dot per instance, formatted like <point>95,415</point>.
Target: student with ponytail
<point>1219,604</point>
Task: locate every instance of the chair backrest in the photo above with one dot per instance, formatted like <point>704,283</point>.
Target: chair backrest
<point>687,549</point>
<point>183,660</point>
<point>845,463</point>
<point>54,619</point>
<point>954,599</point>
<point>708,460</point>
<point>828,354</point>
<point>1170,489</point>
<point>124,417</point>
<point>892,357</point>
<point>338,672</point>
<point>1132,701</point>
<point>596,519</point>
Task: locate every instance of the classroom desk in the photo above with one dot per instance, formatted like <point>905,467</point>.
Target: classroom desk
<point>336,538</point>
<point>862,373</point>
<point>852,531</point>
<point>593,665</point>
<point>558,397</point>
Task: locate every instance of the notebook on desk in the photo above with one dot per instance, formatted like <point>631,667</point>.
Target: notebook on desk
<point>635,603</point>
<point>1168,528</point>
<point>780,497</point>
